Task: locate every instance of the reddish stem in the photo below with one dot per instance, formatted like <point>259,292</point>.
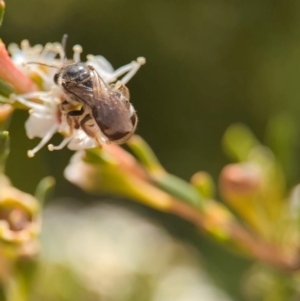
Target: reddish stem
<point>255,246</point>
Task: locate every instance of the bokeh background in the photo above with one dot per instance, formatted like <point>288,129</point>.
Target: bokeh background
<point>209,64</point>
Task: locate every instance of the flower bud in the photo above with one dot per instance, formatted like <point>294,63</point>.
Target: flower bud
<point>204,183</point>
<point>19,215</point>
<point>241,187</point>
<point>239,181</point>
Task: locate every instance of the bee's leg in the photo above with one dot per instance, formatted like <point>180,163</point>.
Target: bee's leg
<point>67,106</point>
<point>87,124</point>
<point>90,128</point>
<point>118,86</point>
<point>98,141</point>
<point>72,120</point>
<point>64,105</point>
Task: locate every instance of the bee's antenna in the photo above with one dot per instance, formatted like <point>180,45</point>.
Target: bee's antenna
<point>64,46</point>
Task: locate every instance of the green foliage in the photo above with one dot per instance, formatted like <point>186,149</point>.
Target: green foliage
<point>4,149</point>
<point>2,9</point>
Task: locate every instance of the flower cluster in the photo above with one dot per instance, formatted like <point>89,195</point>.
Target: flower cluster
<point>41,64</point>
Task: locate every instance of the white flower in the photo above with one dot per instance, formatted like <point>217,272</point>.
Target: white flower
<point>108,74</point>
<point>46,117</point>
<point>28,59</point>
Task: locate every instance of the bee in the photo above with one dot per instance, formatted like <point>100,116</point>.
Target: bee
<point>102,111</point>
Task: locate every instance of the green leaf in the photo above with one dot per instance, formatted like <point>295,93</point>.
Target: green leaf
<point>282,137</point>
<point>204,183</point>
<point>4,149</point>
<point>4,100</point>
<point>2,9</point>
<point>238,141</point>
<point>5,89</point>
<point>44,188</point>
<point>145,154</point>
<point>179,189</point>
<point>168,182</point>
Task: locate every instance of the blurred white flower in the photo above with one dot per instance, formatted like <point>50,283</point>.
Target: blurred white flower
<point>46,118</point>
<point>121,256</point>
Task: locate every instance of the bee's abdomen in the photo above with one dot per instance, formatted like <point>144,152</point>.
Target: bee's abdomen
<point>115,135</point>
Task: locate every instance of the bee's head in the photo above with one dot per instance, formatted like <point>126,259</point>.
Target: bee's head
<point>74,73</point>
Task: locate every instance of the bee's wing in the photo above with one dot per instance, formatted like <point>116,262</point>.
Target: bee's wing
<point>110,113</point>
<point>88,89</point>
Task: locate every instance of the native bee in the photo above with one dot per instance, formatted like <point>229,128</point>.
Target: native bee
<point>101,110</point>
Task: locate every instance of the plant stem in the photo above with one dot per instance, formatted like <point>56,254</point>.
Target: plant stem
<point>262,251</point>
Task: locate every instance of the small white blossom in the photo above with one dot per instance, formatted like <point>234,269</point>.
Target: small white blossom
<point>46,117</point>
<point>28,59</point>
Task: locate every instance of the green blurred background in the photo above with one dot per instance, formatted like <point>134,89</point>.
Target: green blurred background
<point>210,63</point>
